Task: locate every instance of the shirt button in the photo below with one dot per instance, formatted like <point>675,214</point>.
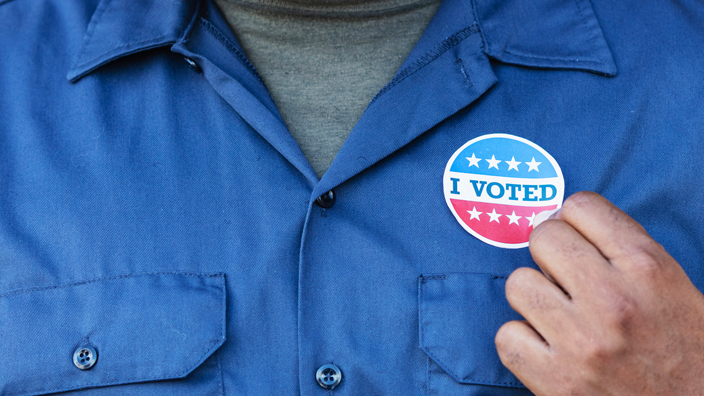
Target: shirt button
<point>328,376</point>
<point>326,200</point>
<point>85,357</point>
<point>194,66</point>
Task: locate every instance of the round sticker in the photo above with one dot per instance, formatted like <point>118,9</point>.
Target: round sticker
<point>496,184</point>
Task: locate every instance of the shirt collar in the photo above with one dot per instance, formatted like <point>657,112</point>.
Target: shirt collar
<point>554,34</point>
<point>120,28</point>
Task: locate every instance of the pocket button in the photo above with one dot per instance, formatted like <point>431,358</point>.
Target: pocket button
<point>85,357</point>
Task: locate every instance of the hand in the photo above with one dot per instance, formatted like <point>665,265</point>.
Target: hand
<point>611,314</point>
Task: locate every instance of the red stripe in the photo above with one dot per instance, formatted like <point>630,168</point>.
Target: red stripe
<point>502,231</point>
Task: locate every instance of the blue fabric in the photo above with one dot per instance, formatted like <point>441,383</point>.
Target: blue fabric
<point>467,353</point>
<point>122,171</point>
<point>135,322</point>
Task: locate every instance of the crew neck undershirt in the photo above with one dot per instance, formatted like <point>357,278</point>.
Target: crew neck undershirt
<point>324,60</point>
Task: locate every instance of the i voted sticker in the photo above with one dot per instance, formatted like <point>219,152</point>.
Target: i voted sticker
<point>496,184</point>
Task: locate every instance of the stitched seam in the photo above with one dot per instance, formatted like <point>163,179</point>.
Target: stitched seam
<point>593,36</point>
<point>144,44</point>
<point>465,379</point>
<point>421,335</point>
<point>154,377</point>
<point>428,58</point>
<point>585,24</point>
<point>130,380</point>
<point>467,79</point>
<point>427,370</point>
<point>479,26</point>
<point>217,34</point>
<point>91,29</point>
<point>421,338</point>
<point>222,385</point>
<point>433,276</point>
<point>433,356</point>
<point>65,285</point>
<point>155,42</point>
<point>189,27</point>
<point>425,278</point>
<point>522,55</point>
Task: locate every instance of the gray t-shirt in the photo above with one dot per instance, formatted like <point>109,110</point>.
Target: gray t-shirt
<point>324,60</point>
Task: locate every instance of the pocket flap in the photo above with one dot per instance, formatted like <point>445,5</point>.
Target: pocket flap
<point>459,315</point>
<point>144,327</point>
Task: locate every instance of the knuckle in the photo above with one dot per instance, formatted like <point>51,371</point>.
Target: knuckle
<point>574,249</point>
<point>648,258</point>
<point>503,337</point>
<point>646,265</point>
<point>524,292</point>
<point>510,355</point>
<point>601,350</point>
<point>543,234</point>
<point>619,312</point>
<point>611,343</point>
<point>579,201</point>
<point>515,281</point>
<point>597,348</point>
<point>620,315</point>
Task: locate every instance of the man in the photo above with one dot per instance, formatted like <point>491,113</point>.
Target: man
<point>164,233</point>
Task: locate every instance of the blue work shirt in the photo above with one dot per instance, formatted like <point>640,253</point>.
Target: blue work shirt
<point>163,215</point>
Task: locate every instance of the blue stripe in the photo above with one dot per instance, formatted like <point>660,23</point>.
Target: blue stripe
<point>503,149</point>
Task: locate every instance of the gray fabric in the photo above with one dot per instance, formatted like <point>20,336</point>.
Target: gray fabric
<point>324,60</point>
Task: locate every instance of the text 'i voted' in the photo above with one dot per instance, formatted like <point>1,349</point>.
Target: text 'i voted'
<point>496,184</point>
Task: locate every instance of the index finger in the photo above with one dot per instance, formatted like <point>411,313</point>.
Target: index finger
<point>616,235</point>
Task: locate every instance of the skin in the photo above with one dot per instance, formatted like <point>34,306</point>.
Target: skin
<point>612,313</point>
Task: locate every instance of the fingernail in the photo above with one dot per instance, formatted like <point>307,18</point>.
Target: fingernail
<point>542,216</point>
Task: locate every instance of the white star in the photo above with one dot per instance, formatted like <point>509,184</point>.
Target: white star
<point>494,216</point>
<point>473,161</point>
<point>532,165</point>
<point>474,214</point>
<point>513,164</point>
<point>530,220</point>
<point>512,218</point>
<point>493,162</point>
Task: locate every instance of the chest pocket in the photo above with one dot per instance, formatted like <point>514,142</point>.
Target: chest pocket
<point>147,334</point>
<point>459,315</point>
